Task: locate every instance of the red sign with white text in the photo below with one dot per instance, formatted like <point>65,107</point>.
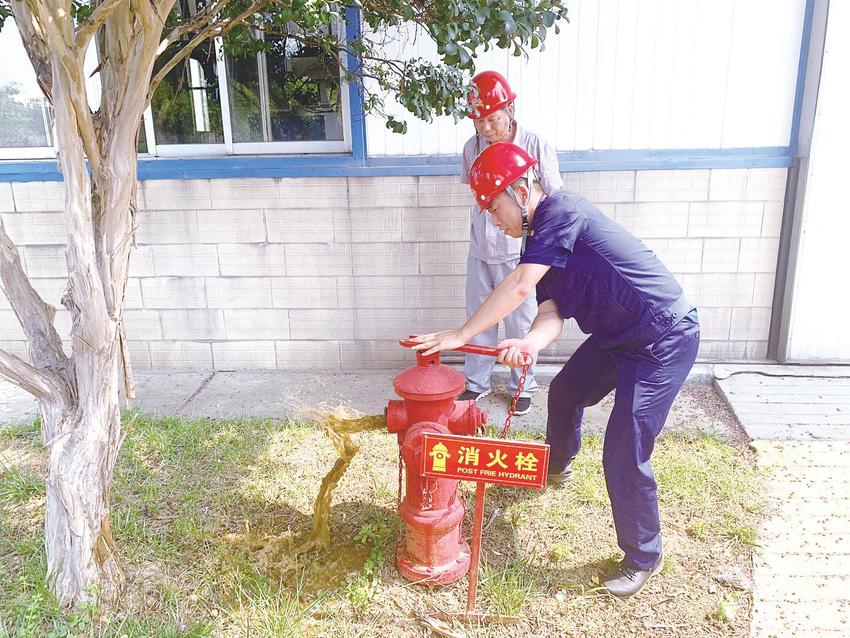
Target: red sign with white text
<point>470,458</point>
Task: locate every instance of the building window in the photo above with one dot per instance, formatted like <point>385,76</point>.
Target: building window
<point>288,98</point>
<point>186,108</point>
<point>26,118</point>
<point>289,93</point>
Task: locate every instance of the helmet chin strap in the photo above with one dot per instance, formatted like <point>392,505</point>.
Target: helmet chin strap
<point>523,210</point>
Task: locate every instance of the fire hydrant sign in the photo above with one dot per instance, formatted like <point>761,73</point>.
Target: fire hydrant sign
<point>468,458</point>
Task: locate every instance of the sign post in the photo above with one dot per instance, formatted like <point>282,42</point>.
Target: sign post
<point>477,524</point>
<point>484,460</point>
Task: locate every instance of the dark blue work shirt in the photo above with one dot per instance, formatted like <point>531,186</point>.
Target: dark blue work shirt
<point>602,275</point>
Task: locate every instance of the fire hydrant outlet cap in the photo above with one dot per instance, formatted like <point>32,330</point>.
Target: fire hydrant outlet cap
<point>429,382</point>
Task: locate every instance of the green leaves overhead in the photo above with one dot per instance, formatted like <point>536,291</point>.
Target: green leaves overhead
<point>5,12</point>
<point>426,88</point>
<point>460,29</point>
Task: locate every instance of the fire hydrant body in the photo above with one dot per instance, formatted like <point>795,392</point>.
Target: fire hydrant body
<point>432,550</point>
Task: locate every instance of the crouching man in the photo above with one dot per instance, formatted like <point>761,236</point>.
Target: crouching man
<point>644,336</point>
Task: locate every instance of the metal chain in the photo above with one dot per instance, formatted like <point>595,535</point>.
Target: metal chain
<point>506,428</point>
<point>427,497</point>
<point>400,477</point>
<point>400,534</point>
<point>460,494</point>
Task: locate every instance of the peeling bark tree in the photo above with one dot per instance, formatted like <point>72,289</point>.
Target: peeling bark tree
<point>79,394</point>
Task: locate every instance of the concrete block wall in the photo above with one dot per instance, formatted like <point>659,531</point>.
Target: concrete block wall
<point>330,272</point>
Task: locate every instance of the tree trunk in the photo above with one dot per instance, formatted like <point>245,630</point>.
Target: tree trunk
<point>78,538</point>
<point>79,395</point>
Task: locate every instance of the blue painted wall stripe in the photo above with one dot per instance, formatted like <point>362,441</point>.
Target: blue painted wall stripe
<point>342,165</point>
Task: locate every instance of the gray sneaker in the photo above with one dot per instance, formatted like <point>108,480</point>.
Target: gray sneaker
<point>523,406</point>
<point>472,395</point>
<point>557,477</point>
<point>624,581</point>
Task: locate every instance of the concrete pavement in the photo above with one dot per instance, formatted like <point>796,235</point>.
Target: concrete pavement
<point>291,394</point>
<point>799,418</point>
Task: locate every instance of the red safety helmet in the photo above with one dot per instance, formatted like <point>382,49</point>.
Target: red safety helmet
<point>497,167</point>
<point>494,93</point>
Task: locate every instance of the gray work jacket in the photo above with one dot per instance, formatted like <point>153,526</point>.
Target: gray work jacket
<point>486,242</point>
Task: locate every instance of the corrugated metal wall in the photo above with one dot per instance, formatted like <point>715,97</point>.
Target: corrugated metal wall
<point>641,74</point>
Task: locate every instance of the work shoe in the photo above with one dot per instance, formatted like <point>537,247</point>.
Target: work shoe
<point>472,395</point>
<point>625,581</point>
<point>556,476</point>
<point>523,406</point>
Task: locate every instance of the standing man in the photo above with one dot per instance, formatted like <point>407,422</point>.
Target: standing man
<point>644,336</point>
<point>492,254</point>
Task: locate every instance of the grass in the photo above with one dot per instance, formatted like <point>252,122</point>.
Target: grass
<point>18,486</point>
<point>205,511</point>
<point>508,589</point>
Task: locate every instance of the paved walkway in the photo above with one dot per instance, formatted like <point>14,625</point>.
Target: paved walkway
<point>800,420</point>
<point>281,394</point>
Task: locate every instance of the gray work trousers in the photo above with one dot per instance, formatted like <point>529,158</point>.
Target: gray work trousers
<point>481,279</point>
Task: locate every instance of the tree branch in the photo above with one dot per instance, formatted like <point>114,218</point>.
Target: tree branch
<point>218,29</point>
<point>23,375</point>
<point>58,35</point>
<point>88,27</point>
<point>203,18</point>
<point>32,36</point>
<point>34,314</point>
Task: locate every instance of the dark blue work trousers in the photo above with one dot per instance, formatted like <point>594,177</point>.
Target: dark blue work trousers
<point>647,379</point>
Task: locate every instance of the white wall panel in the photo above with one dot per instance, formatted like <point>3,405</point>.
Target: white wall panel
<point>606,71</point>
<point>707,84</point>
<point>762,66</point>
<point>624,77</point>
<point>639,74</point>
<point>680,113</point>
<point>564,133</point>
<point>661,88</point>
<point>641,102</point>
<point>586,28</point>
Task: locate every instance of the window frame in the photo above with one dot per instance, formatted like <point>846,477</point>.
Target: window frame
<point>235,149</point>
<point>227,149</point>
<point>30,152</point>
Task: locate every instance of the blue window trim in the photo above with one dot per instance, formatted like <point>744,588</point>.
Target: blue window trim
<point>358,163</point>
<point>355,89</point>
<point>801,76</point>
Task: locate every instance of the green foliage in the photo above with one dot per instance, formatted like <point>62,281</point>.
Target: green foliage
<point>461,29</point>
<point>5,12</point>
<point>362,590</point>
<point>82,10</point>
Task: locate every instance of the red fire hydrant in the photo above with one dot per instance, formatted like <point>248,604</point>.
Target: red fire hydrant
<point>432,551</point>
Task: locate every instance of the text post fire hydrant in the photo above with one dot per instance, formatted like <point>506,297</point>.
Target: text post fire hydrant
<point>432,550</point>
